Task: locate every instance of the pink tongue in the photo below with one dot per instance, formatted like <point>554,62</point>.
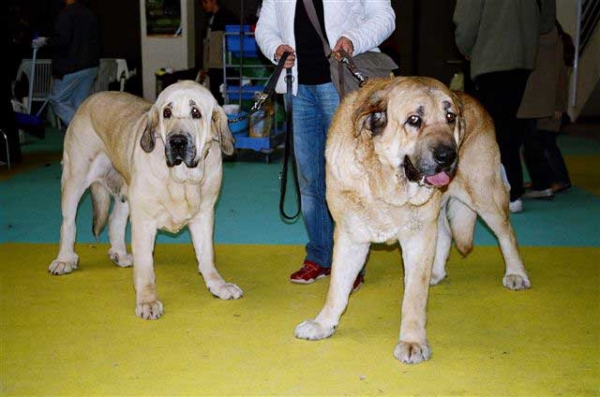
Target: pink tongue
<point>440,179</point>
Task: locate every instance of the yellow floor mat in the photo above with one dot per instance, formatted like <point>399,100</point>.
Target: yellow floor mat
<point>583,171</point>
<point>78,335</point>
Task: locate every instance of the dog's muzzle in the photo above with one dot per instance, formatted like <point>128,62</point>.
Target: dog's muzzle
<point>436,171</point>
<point>180,149</point>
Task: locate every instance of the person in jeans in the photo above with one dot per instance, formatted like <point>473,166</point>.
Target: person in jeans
<point>500,38</point>
<point>356,27</point>
<point>76,49</point>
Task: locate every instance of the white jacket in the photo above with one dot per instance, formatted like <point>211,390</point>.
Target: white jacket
<point>367,23</point>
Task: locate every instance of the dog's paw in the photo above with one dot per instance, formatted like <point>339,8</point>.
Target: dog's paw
<point>437,278</point>
<point>225,291</point>
<point>412,353</point>
<point>516,282</point>
<point>149,310</point>
<point>312,330</point>
<point>63,266</point>
<point>120,258</point>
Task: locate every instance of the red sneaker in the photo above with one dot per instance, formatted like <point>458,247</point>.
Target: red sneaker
<point>309,273</point>
<point>360,279</point>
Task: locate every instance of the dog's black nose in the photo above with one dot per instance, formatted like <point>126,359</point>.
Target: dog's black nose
<point>444,155</point>
<point>178,142</point>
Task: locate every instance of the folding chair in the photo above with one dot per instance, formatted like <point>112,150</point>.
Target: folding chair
<point>110,70</point>
<point>42,82</point>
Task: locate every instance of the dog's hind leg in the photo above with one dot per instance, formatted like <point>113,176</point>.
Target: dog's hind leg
<point>497,218</point>
<point>117,224</point>
<point>348,259</point>
<point>456,222</point>
<point>73,186</point>
<point>116,233</point>
<point>444,242</point>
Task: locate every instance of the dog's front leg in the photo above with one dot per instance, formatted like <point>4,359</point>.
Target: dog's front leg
<point>143,234</point>
<point>418,250</point>
<point>348,259</point>
<point>201,229</point>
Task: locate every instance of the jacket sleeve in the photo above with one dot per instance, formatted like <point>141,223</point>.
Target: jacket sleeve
<point>378,24</point>
<point>467,16</point>
<point>63,32</point>
<point>267,33</point>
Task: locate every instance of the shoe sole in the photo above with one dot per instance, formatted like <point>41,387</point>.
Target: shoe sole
<point>312,280</point>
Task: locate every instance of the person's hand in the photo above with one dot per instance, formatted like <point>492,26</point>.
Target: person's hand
<point>345,44</point>
<point>291,59</point>
<point>39,42</point>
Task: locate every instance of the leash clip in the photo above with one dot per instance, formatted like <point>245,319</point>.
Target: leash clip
<point>347,59</point>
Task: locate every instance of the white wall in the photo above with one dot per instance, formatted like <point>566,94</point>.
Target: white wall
<point>167,52</point>
<point>586,78</point>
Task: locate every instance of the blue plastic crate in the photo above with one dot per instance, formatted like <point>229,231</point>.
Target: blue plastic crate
<point>239,128</point>
<point>240,44</point>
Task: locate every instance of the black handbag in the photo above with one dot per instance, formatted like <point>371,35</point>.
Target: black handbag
<point>350,73</point>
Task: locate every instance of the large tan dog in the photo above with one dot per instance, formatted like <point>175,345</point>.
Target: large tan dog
<point>392,151</point>
<point>160,162</point>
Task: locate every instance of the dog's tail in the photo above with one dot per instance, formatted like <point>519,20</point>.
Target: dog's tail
<point>462,224</point>
<point>100,206</point>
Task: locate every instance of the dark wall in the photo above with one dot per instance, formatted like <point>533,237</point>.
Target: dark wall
<point>426,33</point>
<point>423,42</point>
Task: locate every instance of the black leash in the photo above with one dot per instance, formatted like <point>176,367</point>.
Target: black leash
<point>288,154</point>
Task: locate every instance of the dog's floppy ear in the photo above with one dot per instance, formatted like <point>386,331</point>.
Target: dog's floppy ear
<point>221,131</point>
<point>371,116</point>
<point>461,126</point>
<point>148,140</point>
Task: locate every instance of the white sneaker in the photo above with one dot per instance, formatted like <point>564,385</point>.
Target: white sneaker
<point>516,206</point>
<point>539,194</point>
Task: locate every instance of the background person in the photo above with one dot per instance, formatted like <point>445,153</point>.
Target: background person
<point>217,17</point>
<point>500,38</point>
<point>284,26</point>
<point>545,103</point>
<point>76,56</point>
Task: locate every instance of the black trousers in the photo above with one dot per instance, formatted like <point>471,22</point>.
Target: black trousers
<point>215,77</point>
<point>501,94</point>
<point>554,170</point>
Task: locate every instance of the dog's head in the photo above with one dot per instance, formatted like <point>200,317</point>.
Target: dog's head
<point>187,119</point>
<point>414,125</point>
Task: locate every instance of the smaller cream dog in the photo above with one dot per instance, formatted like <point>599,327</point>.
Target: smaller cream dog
<point>162,165</point>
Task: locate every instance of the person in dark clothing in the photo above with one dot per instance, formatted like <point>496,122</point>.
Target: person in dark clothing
<point>218,17</point>
<point>500,39</point>
<point>14,28</point>
<point>76,46</point>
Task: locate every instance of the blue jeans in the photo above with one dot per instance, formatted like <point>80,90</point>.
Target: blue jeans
<point>313,109</point>
<point>68,92</point>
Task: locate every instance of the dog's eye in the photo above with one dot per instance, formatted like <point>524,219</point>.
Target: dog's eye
<point>450,117</point>
<point>167,113</point>
<point>414,121</point>
<point>196,113</point>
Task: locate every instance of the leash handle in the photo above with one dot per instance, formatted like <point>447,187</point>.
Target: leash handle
<point>270,87</point>
<point>288,153</point>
